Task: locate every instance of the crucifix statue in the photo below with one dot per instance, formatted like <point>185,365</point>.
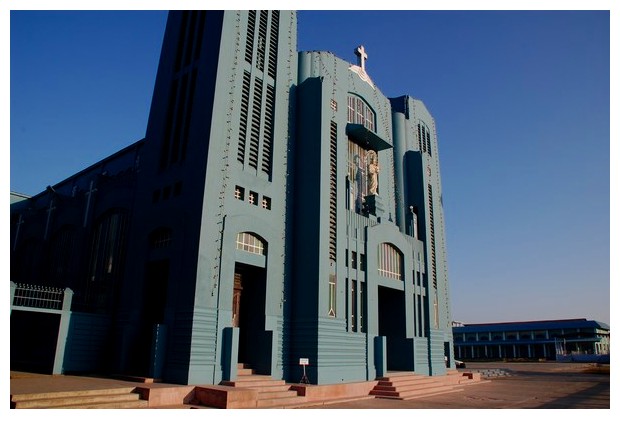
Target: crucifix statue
<point>362,56</point>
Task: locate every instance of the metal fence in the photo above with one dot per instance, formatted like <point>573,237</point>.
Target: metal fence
<point>42,297</point>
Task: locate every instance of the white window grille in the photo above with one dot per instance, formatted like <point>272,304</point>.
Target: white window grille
<point>359,112</point>
<point>390,262</point>
<point>249,242</point>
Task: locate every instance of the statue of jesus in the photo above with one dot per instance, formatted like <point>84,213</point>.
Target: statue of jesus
<point>373,172</point>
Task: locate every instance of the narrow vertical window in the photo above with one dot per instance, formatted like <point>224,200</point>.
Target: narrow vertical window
<point>178,123</point>
<point>351,110</point>
<point>428,142</point>
<point>249,41</point>
<point>200,33</point>
<point>332,296</point>
<point>243,122</point>
<point>253,198</point>
<point>189,46</point>
<point>268,132</point>
<point>431,222</point>
<point>333,189</point>
<point>424,138</point>
<point>239,192</point>
<point>273,44</point>
<point>107,254</point>
<point>256,122</point>
<point>182,39</point>
<point>262,40</point>
<point>170,116</point>
<point>187,120</point>
<point>363,306</point>
<point>358,176</point>
<point>354,305</point>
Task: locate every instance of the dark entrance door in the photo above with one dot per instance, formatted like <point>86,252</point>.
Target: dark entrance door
<point>248,309</point>
<point>156,289</point>
<point>236,304</point>
<point>392,322</point>
<point>154,304</point>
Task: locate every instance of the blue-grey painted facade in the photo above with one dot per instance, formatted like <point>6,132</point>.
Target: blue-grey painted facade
<point>248,226</point>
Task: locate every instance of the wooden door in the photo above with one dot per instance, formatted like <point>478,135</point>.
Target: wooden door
<point>236,301</point>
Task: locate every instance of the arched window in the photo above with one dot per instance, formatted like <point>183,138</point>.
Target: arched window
<point>107,245</point>
<point>106,257</point>
<point>424,138</point>
<point>251,243</point>
<point>390,261</point>
<point>360,112</point>
<point>160,238</point>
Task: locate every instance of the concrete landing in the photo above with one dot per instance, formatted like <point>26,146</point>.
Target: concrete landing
<point>146,393</point>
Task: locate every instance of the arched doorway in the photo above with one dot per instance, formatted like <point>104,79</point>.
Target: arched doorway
<point>249,316</point>
<point>391,308</point>
<point>248,305</point>
<point>392,326</point>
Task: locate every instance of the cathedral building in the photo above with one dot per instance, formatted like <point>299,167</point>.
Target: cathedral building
<point>280,213</point>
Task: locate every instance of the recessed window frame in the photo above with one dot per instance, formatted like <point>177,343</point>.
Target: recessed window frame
<point>251,243</point>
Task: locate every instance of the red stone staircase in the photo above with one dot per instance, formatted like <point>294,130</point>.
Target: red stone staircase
<point>250,390</point>
<point>409,385</point>
<point>270,393</point>
<point>122,397</point>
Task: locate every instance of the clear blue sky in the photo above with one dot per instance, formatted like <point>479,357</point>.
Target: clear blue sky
<point>521,100</point>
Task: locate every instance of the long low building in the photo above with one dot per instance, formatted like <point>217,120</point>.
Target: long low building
<point>544,339</point>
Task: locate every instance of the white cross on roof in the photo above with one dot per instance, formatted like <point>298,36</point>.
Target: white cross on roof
<point>362,56</point>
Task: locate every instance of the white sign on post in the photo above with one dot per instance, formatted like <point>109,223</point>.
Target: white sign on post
<point>304,362</point>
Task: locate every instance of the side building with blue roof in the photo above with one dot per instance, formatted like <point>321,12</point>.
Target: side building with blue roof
<point>569,339</point>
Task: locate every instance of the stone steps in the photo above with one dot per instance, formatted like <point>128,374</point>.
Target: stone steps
<point>122,397</point>
<point>255,381</point>
<point>270,393</point>
<point>405,386</point>
<point>290,401</point>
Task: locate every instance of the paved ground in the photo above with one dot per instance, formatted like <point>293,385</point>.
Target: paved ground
<point>528,386</point>
<point>580,397</point>
<point>522,386</point>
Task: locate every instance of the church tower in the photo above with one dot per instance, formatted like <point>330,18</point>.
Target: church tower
<point>211,198</point>
<point>370,282</point>
<point>420,213</point>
